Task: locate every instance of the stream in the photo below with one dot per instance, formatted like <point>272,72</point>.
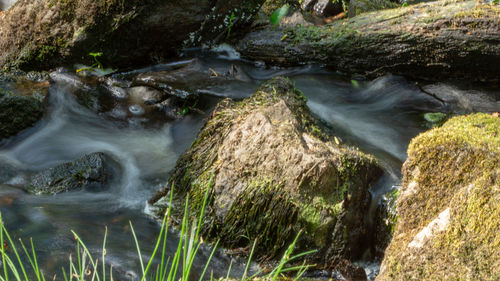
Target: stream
<point>379,116</point>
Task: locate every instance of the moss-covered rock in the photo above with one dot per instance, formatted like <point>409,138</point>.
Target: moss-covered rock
<point>38,34</point>
<point>271,171</point>
<point>18,112</point>
<point>92,171</point>
<point>448,207</point>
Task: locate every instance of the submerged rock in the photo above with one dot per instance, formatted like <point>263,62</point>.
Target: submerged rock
<point>271,171</point>
<point>448,206</point>
<point>18,112</point>
<point>89,172</point>
<point>7,171</point>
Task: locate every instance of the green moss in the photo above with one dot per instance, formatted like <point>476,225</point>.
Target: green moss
<point>266,204</point>
<point>17,113</point>
<point>456,166</point>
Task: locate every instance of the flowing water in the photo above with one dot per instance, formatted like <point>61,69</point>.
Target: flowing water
<point>378,116</point>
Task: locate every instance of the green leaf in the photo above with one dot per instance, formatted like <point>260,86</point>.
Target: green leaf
<point>355,83</point>
<point>279,14</point>
<point>98,54</point>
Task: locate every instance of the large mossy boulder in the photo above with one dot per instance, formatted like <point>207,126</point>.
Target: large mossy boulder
<point>90,172</point>
<point>272,171</point>
<point>449,205</point>
<point>41,34</point>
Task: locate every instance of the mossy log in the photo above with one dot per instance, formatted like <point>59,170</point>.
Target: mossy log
<point>432,40</point>
<point>272,171</point>
<point>449,205</point>
<point>41,34</point>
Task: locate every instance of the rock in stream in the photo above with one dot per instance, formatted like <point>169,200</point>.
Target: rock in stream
<point>272,171</point>
<point>89,172</point>
<point>448,207</point>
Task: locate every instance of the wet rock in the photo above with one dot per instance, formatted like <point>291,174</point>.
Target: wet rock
<point>145,95</point>
<point>352,272</point>
<point>384,223</point>
<point>271,171</point>
<point>326,8</point>
<point>448,206</point>
<point>357,7</point>
<point>89,172</point>
<point>180,82</point>
<point>7,171</point>
<point>5,4</point>
<point>37,34</point>
<point>463,101</point>
<point>18,112</point>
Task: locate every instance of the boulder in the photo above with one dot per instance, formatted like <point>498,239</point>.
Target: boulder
<point>92,171</point>
<point>272,171</point>
<point>448,206</point>
<point>18,112</point>
<point>39,34</point>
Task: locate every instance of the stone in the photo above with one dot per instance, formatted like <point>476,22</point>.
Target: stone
<point>18,112</point>
<point>92,171</point>
<point>272,171</point>
<point>39,34</point>
<point>448,206</point>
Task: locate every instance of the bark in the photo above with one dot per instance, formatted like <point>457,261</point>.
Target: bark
<point>434,40</point>
<point>41,34</point>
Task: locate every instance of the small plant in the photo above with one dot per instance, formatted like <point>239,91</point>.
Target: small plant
<point>97,62</point>
<point>85,268</point>
<point>279,14</point>
<point>230,24</point>
<point>97,68</point>
<point>435,118</point>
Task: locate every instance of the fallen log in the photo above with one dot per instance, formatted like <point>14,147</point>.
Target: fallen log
<point>432,40</point>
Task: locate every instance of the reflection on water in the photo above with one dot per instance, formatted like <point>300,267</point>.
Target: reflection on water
<point>379,116</point>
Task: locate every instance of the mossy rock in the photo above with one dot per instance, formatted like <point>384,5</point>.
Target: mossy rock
<point>17,112</point>
<point>272,171</point>
<point>47,34</point>
<point>448,207</point>
<point>92,172</point>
